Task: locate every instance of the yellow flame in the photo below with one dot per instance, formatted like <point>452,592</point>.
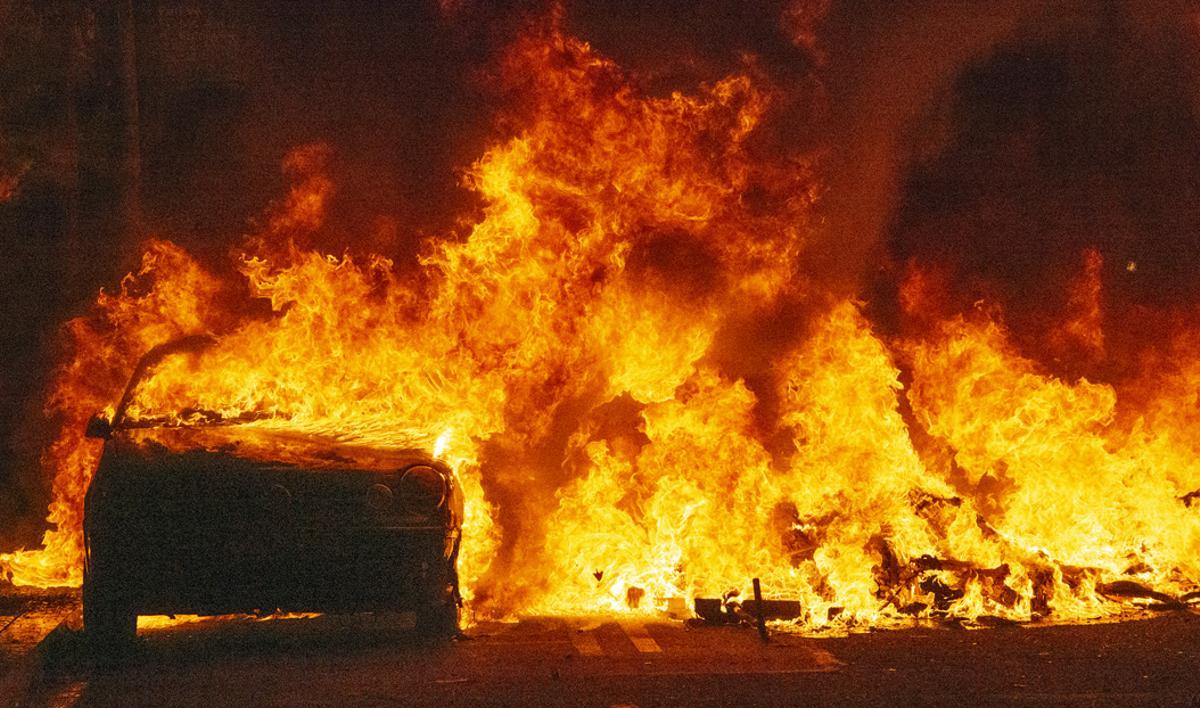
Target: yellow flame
<point>570,358</point>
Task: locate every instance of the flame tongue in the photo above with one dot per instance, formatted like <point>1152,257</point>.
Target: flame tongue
<point>581,359</point>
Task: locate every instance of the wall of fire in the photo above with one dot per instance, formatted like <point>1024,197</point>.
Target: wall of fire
<point>120,119</point>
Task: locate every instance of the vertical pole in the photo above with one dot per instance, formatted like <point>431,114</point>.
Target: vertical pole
<point>758,611</point>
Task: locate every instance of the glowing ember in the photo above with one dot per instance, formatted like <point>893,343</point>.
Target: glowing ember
<point>601,360</point>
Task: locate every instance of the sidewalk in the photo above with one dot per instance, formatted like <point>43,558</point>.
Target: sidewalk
<point>28,616</point>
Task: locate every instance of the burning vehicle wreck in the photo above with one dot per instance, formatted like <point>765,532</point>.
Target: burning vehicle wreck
<point>667,334</point>
<point>203,516</point>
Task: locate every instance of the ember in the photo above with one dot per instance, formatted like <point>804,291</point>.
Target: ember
<point>652,395</point>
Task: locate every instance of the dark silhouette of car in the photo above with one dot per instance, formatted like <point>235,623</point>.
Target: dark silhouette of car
<point>213,517</point>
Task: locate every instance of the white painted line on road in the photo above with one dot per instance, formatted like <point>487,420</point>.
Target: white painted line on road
<point>642,641</point>
<point>586,643</point>
<point>67,696</point>
<point>824,660</point>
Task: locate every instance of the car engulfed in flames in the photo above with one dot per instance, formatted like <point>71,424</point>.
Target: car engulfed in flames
<point>654,377</point>
<point>208,518</point>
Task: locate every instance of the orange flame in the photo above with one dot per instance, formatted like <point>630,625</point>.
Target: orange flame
<point>569,359</point>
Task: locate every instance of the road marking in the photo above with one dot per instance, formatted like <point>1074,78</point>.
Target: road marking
<point>642,641</point>
<point>67,696</point>
<point>586,643</point>
<point>824,660</point>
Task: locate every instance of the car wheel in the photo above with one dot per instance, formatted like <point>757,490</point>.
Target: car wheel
<point>109,625</point>
<point>439,621</point>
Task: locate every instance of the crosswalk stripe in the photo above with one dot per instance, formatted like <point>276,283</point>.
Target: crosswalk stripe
<point>585,643</point>
<point>642,641</point>
<point>824,660</point>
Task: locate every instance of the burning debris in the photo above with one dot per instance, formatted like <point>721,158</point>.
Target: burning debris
<point>651,393</point>
<point>730,610</point>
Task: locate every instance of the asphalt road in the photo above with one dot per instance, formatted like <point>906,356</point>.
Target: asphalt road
<point>373,660</point>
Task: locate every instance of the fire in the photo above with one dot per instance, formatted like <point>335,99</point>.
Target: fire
<point>650,399</point>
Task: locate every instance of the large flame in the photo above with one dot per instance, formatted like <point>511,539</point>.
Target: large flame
<point>648,396</point>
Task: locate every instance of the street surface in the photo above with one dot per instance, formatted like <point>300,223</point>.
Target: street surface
<point>375,660</point>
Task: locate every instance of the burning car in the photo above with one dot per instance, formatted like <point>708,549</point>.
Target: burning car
<point>212,516</point>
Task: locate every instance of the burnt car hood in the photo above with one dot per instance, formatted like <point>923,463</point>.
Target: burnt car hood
<point>230,466</point>
<point>267,446</point>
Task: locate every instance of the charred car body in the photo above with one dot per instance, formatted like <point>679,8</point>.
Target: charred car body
<point>219,519</point>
